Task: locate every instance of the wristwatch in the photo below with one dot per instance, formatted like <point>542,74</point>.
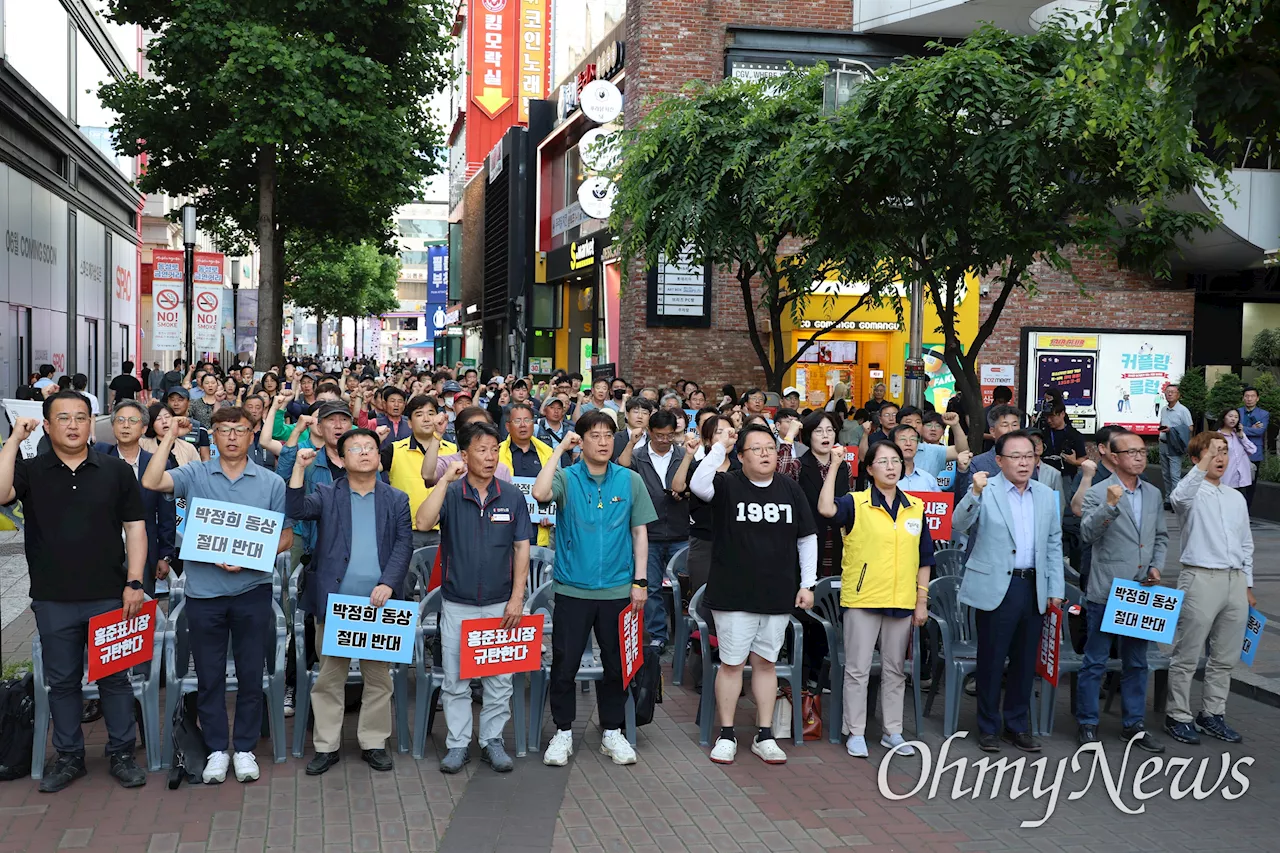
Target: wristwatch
<point>134,584</point>
<point>642,583</point>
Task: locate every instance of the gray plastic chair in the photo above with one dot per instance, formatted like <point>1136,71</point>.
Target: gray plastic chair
<point>948,562</point>
<point>589,669</point>
<point>541,565</point>
<point>683,622</point>
<point>789,671</point>
<point>420,565</point>
<point>430,677</point>
<point>146,690</point>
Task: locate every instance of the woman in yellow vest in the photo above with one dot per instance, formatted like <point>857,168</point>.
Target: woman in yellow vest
<point>883,588</point>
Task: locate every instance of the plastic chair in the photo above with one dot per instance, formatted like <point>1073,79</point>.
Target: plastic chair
<point>683,621</point>
<point>589,669</point>
<point>430,676</point>
<point>789,671</point>
<point>948,562</point>
<point>146,690</point>
<point>307,680</point>
<point>958,635</point>
<point>541,565</point>
<point>420,566</point>
<point>180,679</point>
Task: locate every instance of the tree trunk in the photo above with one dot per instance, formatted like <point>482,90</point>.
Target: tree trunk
<point>965,370</point>
<point>340,319</point>
<point>320,334</point>
<point>270,319</point>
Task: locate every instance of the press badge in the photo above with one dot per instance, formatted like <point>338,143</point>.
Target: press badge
<point>501,515</point>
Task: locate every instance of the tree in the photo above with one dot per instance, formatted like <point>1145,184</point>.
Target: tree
<point>298,119</point>
<point>706,173</point>
<point>1269,398</point>
<point>991,156</point>
<point>1194,394</point>
<point>1226,393</point>
<point>342,280</point>
<point>1265,351</point>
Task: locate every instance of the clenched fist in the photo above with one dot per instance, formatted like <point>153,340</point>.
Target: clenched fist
<point>963,458</point>
<point>24,427</point>
<point>1088,468</point>
<point>306,456</point>
<point>570,441</point>
<point>951,418</point>
<point>692,443</point>
<point>456,471</point>
<point>1114,492</point>
<point>979,482</point>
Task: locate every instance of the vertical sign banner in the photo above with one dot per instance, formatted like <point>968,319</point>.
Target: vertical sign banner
<point>116,643</point>
<point>490,649</point>
<point>1252,634</point>
<point>438,274</point>
<point>629,625</point>
<point>993,375</point>
<point>206,325</point>
<point>166,299</point>
<point>493,57</point>
<point>1050,644</point>
<point>533,54</point>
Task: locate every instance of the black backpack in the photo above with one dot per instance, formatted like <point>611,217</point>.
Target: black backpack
<point>17,726</point>
<point>189,750</point>
<point>646,686</point>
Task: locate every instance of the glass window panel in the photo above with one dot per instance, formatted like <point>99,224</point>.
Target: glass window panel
<point>35,42</point>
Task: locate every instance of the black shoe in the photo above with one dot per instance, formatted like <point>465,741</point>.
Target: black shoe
<point>321,763</point>
<point>1144,740</point>
<point>1168,506</point>
<point>1181,732</point>
<point>989,743</point>
<point>65,768</point>
<point>1088,734</point>
<point>126,770</point>
<point>1022,740</point>
<point>92,711</point>
<point>1215,725</point>
<point>378,759</point>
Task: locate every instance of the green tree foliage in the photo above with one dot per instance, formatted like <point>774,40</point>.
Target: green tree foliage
<point>286,119</point>
<point>1265,351</point>
<point>1195,394</point>
<point>337,280</point>
<point>992,157</point>
<point>1225,394</point>
<point>1269,398</point>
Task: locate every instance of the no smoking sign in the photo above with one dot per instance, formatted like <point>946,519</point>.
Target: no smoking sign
<point>167,299</point>
<point>207,302</point>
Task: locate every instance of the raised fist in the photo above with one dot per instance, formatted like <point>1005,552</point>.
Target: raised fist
<point>692,443</point>
<point>963,458</point>
<point>729,441</point>
<point>1088,468</point>
<point>1114,492</point>
<point>382,432</point>
<point>456,471</point>
<point>837,456</point>
<point>951,418</point>
<point>307,421</point>
<point>979,482</point>
<point>24,427</point>
<point>178,427</point>
<point>570,441</point>
<point>306,456</point>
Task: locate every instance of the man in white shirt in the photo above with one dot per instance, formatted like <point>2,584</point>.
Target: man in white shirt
<point>1217,582</point>
<point>1175,418</point>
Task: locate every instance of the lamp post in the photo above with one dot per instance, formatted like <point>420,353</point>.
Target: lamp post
<point>189,270</point>
<point>235,311</point>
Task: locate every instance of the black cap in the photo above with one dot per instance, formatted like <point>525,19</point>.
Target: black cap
<point>332,407</point>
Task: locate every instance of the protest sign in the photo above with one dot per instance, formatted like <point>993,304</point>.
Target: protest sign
<point>116,643</point>
<point>354,628</point>
<point>1050,644</point>
<point>629,625</point>
<point>180,514</point>
<point>537,511</point>
<point>244,536</point>
<point>851,456</point>
<point>1148,613</point>
<point>15,409</point>
<point>938,507</point>
<point>1252,635</point>
<point>490,649</point>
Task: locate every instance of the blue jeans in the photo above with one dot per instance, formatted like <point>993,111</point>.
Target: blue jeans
<point>1170,471</point>
<point>655,609</point>
<point>1133,673</point>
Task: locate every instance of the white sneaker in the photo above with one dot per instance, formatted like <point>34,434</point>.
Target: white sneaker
<point>724,751</point>
<point>616,747</point>
<point>246,767</point>
<point>897,744</point>
<point>856,746</point>
<point>769,751</point>
<point>215,768</point>
<point>288,701</point>
<point>559,750</point>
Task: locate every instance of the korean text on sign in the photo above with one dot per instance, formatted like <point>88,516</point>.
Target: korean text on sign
<point>116,643</point>
<point>1252,635</point>
<point>243,536</point>
<point>1148,613</point>
<point>938,507</point>
<point>537,511</point>
<point>489,649</point>
<point>354,628</point>
<point>1050,644</point>
<point>629,625</point>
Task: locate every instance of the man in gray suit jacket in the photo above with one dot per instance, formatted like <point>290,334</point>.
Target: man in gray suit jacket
<point>1123,519</point>
<point>1013,572</point>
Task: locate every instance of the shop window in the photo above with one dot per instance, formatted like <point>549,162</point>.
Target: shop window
<point>547,310</point>
<point>35,45</point>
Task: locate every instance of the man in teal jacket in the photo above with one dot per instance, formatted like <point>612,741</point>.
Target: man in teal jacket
<point>602,554</point>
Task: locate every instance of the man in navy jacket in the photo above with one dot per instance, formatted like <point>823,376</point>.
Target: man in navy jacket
<point>128,423</point>
<point>364,541</point>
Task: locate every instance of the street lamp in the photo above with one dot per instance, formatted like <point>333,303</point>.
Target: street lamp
<point>235,311</point>
<point>189,268</point>
<point>838,86</point>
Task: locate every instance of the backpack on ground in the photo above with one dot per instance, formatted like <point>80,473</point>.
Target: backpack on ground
<point>17,726</point>
<point>646,686</point>
<point>189,750</point>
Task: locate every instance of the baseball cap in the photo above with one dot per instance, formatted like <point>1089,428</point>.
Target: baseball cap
<point>553,399</point>
<point>451,387</point>
<point>463,392</point>
<point>179,390</point>
<point>332,407</point>
<point>789,390</point>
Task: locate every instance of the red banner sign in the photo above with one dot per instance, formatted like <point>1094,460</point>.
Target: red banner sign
<point>490,649</point>
<point>851,456</point>
<point>937,512</point>
<point>1050,644</point>
<point>116,643</point>
<point>630,625</point>
<point>492,62</point>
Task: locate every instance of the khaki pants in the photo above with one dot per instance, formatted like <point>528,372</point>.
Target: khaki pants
<point>861,628</point>
<point>328,701</point>
<point>1216,608</point>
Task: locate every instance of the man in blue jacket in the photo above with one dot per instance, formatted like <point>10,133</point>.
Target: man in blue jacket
<point>1254,420</point>
<point>363,545</point>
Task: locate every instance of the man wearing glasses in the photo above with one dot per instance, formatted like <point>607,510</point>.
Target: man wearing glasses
<point>363,545</point>
<point>524,454</point>
<point>224,601</point>
<point>1014,570</point>
<point>77,502</point>
<point>128,422</point>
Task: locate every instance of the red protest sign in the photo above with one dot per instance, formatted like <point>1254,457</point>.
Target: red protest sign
<point>1050,642</point>
<point>630,624</point>
<point>937,512</point>
<point>490,649</point>
<point>851,456</point>
<point>116,643</point>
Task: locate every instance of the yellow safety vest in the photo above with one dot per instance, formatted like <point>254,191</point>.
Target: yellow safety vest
<point>406,472</point>
<point>544,453</point>
<point>881,560</point>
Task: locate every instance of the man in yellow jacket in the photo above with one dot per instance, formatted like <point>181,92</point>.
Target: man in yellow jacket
<point>402,461</point>
<point>525,455</point>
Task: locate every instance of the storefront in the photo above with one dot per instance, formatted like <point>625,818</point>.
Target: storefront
<point>576,309</point>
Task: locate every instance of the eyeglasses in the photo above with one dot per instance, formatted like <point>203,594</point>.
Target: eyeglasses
<point>907,439</point>
<point>522,422</point>
<point>123,419</point>
<point>362,450</point>
<point>1018,457</point>
<point>761,450</point>
<point>889,462</point>
<point>232,430</point>
<point>1134,453</point>
<point>64,419</point>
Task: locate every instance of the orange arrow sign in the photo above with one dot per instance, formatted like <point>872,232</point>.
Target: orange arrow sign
<point>492,101</point>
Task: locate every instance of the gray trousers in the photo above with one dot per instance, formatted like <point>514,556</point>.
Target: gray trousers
<point>64,634</point>
<point>1170,470</point>
<point>1215,607</point>
<point>456,693</point>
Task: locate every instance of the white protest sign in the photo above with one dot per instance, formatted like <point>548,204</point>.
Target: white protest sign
<point>15,409</point>
<point>207,320</point>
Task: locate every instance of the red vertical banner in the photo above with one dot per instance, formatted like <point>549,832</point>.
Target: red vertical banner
<point>492,63</point>
<point>534,54</point>
<point>1050,644</point>
<point>629,626</point>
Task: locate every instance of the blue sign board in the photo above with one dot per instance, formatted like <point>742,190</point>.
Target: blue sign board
<point>1252,636</point>
<point>1145,612</point>
<point>438,274</point>
<point>537,511</point>
<point>244,536</point>
<point>354,628</point>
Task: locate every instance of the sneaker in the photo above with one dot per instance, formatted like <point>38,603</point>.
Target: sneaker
<point>616,747</point>
<point>769,751</point>
<point>856,746</point>
<point>1181,732</point>
<point>65,768</point>
<point>246,766</point>
<point>494,753</point>
<point>288,702</point>
<point>558,751</point>
<point>724,751</point>
<point>1142,739</point>
<point>1215,725</point>
<point>126,771</point>
<point>215,768</point>
<point>454,759</point>
<point>1088,734</point>
<point>897,743</point>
